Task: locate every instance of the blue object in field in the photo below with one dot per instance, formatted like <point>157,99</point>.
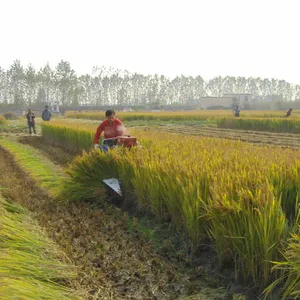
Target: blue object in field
<point>104,148</point>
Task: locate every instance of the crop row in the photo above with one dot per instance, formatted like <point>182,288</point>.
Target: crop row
<point>261,124</point>
<point>179,115</point>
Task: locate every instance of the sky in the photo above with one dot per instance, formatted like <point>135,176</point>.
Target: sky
<point>259,38</point>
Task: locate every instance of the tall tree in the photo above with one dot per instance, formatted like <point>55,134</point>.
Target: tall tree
<point>85,82</point>
<point>64,79</point>
<point>17,83</point>
<point>30,85</point>
<point>215,87</point>
<point>4,88</point>
<point>46,83</point>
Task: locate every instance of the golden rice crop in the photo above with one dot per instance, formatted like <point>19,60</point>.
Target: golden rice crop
<point>290,267</point>
<point>146,116</point>
<point>273,121</point>
<point>264,124</point>
<point>243,196</point>
<point>179,115</point>
<point>71,137</point>
<point>2,121</point>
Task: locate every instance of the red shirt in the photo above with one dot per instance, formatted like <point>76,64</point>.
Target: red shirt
<point>111,130</point>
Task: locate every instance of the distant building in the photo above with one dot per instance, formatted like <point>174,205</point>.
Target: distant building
<point>244,100</point>
<point>192,102</point>
<point>214,102</point>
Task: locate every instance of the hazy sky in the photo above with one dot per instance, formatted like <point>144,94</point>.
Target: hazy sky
<point>170,37</point>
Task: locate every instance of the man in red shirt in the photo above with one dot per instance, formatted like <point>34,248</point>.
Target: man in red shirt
<point>112,127</point>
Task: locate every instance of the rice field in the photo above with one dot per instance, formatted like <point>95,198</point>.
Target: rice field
<point>273,121</point>
<point>236,190</point>
<point>283,140</point>
<point>114,254</point>
<point>242,197</point>
<point>280,139</point>
<point>261,124</point>
<point>181,115</point>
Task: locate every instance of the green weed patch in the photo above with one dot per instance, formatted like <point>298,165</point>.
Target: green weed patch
<point>41,169</point>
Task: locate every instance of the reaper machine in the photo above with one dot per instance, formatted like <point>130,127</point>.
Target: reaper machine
<point>114,184</point>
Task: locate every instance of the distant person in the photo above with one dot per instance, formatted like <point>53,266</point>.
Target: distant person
<point>112,127</point>
<point>236,111</point>
<point>46,114</point>
<point>31,122</point>
<point>289,112</point>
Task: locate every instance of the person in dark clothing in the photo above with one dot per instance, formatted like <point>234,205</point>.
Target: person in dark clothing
<point>289,112</point>
<point>46,114</point>
<point>236,111</point>
<point>31,122</point>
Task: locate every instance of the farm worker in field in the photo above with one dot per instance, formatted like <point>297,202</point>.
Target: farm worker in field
<point>289,112</point>
<point>31,122</point>
<point>112,127</point>
<point>46,114</point>
<point>236,111</point>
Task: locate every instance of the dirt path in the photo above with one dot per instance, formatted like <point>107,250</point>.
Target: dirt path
<point>113,263</point>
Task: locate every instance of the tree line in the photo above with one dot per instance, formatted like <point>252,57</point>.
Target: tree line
<point>24,86</point>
